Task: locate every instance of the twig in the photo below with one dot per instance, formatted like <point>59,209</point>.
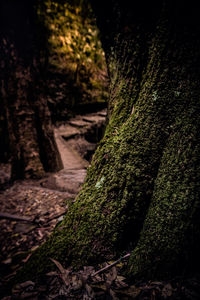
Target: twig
<point>26,219</point>
<point>15,217</point>
<point>111,265</point>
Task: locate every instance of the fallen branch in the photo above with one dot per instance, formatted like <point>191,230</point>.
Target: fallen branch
<point>111,265</point>
<point>15,217</point>
<point>27,219</point>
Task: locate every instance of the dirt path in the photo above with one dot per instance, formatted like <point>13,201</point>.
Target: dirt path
<point>45,200</point>
<point>70,158</point>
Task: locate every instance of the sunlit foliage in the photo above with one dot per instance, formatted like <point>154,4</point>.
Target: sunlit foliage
<point>74,44</point>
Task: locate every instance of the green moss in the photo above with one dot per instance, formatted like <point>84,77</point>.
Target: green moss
<point>171,226</point>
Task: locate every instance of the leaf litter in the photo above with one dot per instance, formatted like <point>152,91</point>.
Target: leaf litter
<point>109,284</point>
<point>44,205</point>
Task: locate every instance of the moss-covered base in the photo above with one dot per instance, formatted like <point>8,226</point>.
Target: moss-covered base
<point>168,243</point>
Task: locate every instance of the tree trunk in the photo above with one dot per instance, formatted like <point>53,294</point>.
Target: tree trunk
<point>142,189</point>
<point>32,147</point>
<point>4,141</point>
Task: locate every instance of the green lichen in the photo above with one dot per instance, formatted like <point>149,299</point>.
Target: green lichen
<point>155,95</point>
<point>99,184</point>
<point>177,93</point>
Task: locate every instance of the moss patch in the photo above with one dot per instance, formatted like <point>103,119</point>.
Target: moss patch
<point>171,229</point>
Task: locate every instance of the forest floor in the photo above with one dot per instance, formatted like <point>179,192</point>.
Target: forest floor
<point>30,210</point>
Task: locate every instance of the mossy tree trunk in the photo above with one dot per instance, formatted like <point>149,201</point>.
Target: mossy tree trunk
<point>27,121</point>
<point>142,189</point>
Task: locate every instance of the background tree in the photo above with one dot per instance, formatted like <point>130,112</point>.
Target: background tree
<point>27,133</point>
<point>142,190</point>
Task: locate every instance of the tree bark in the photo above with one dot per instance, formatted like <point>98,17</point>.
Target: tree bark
<point>142,188</point>
<point>32,147</point>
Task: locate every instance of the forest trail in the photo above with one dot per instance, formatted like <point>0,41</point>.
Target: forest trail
<point>76,141</point>
<point>70,158</point>
<point>45,201</point>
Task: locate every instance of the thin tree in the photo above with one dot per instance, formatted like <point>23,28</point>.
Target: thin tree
<point>28,134</point>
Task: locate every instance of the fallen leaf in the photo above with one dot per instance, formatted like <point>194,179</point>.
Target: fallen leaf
<point>132,291</point>
<point>167,291</point>
<point>7,261</point>
<point>64,273</point>
<point>53,273</point>
<point>90,291</point>
<point>26,284</point>
<point>34,248</point>
<point>27,258</point>
<point>113,295</point>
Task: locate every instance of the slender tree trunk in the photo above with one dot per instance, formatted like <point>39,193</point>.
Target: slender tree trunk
<point>31,141</point>
<point>4,141</point>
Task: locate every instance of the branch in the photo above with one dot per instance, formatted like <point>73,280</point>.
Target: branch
<point>110,266</point>
<point>15,217</point>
